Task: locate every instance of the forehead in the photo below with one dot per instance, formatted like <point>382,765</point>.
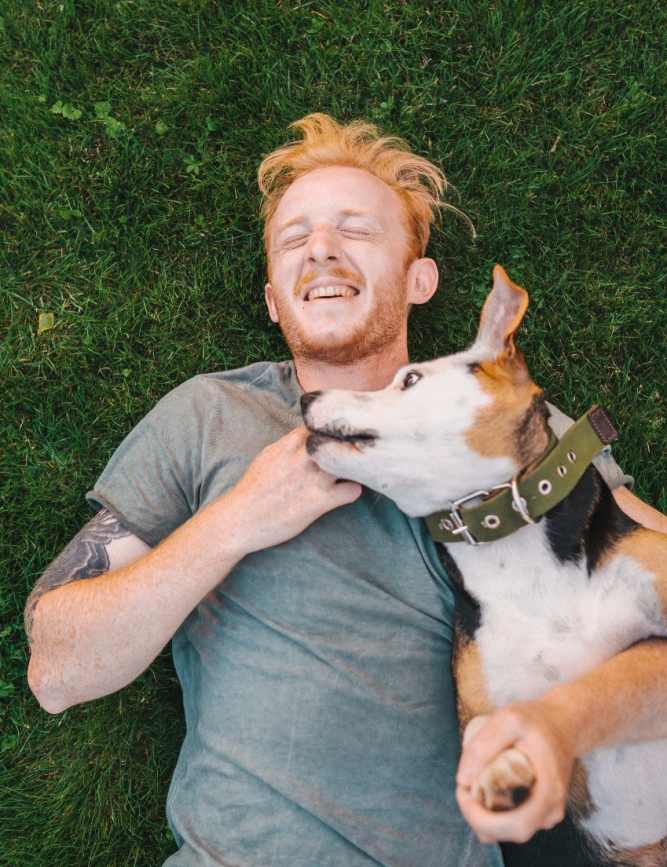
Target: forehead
<point>322,194</point>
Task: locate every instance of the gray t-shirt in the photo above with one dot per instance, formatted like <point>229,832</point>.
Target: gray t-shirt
<point>320,714</point>
<point>319,707</point>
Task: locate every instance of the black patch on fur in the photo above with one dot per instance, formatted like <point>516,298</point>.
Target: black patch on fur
<point>449,565</point>
<point>533,422</point>
<point>467,614</point>
<point>567,523</point>
<point>565,845</point>
<point>608,525</point>
<point>587,522</point>
<point>306,400</point>
<point>313,442</point>
<point>316,439</point>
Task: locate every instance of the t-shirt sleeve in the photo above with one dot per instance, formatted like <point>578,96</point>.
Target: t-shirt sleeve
<point>603,462</point>
<point>151,481</point>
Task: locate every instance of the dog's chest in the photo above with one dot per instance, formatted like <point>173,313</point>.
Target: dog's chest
<point>543,621</point>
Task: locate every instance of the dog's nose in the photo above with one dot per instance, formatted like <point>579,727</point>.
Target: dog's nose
<point>307,399</point>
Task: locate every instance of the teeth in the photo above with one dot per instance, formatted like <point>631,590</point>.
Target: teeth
<point>331,292</point>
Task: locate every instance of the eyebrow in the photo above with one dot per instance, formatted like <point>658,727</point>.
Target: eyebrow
<point>346,212</point>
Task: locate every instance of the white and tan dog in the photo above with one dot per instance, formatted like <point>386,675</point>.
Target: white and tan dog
<point>545,604</point>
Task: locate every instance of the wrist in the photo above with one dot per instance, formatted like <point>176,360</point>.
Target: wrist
<point>227,528</point>
<point>571,717</point>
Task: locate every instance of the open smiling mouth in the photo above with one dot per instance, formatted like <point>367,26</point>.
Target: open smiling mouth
<point>331,293</point>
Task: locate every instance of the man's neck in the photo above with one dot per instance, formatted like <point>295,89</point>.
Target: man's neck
<point>366,374</point>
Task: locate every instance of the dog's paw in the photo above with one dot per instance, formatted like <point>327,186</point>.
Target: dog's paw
<point>506,782</point>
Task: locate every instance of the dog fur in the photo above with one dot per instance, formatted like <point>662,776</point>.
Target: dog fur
<point>543,605</point>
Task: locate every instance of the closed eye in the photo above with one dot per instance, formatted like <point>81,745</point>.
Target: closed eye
<point>293,242</point>
<point>297,240</point>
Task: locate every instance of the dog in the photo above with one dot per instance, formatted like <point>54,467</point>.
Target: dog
<point>574,584</point>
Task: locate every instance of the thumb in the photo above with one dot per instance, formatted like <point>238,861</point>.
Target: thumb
<point>498,733</point>
<point>346,492</point>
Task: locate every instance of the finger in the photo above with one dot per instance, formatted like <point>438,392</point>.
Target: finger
<point>552,760</point>
<point>497,734</point>
<point>515,826</point>
<point>299,435</point>
<point>551,780</point>
<point>347,492</point>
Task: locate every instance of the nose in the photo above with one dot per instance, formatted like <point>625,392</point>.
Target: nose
<point>307,399</point>
<point>322,245</point>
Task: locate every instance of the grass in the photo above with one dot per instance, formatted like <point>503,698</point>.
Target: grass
<point>130,138</point>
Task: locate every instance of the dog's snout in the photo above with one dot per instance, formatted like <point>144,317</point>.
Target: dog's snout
<point>307,399</point>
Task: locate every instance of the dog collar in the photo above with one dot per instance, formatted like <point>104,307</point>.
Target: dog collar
<point>531,493</point>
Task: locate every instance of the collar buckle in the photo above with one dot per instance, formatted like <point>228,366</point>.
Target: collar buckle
<point>457,526</point>
<point>460,528</point>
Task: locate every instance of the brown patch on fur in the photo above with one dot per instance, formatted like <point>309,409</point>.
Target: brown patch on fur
<point>653,855</point>
<point>472,698</point>
<point>579,802</point>
<point>495,431</point>
<point>649,549</point>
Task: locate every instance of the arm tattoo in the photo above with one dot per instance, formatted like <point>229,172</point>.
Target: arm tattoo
<point>85,556</point>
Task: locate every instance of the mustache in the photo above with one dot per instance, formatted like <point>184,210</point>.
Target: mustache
<point>337,272</point>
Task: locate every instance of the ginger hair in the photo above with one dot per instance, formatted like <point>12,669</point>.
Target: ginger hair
<point>417,182</point>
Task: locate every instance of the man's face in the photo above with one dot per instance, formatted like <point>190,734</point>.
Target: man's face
<point>341,226</point>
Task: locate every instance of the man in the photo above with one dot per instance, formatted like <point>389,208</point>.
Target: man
<point>311,624</point>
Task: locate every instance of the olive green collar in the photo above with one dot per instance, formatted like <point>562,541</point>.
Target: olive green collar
<point>532,492</point>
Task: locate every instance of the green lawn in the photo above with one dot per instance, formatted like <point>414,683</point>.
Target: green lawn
<point>130,135</point>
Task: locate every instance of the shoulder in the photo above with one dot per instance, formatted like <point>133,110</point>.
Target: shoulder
<point>204,393</point>
<point>230,400</point>
<point>226,384</point>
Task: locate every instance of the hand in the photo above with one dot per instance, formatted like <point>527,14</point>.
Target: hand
<point>540,732</point>
<point>283,491</point>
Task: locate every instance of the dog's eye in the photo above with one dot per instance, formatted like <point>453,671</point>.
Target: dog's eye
<point>410,378</point>
<point>473,367</point>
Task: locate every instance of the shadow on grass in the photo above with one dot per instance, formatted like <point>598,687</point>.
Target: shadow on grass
<point>91,784</point>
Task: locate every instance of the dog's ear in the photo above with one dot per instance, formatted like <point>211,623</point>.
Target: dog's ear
<point>502,313</point>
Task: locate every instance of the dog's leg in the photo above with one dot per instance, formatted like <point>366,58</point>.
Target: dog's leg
<point>507,781</point>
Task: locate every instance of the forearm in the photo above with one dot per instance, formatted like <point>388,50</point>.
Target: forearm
<point>640,511</point>
<point>625,698</point>
<point>93,636</point>
<point>622,700</point>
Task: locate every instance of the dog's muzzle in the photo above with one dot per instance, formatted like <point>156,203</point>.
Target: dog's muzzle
<point>336,430</point>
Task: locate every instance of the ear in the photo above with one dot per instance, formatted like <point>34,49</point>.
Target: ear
<point>422,280</point>
<point>270,302</point>
<point>502,313</point>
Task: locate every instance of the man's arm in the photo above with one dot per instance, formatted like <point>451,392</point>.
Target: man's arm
<point>572,718</point>
<point>101,545</point>
<point>569,721</point>
<point>93,629</point>
<point>640,511</point>
<point>624,699</point>
<point>91,636</point>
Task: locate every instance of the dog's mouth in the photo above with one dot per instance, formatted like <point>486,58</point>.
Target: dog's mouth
<point>319,436</point>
